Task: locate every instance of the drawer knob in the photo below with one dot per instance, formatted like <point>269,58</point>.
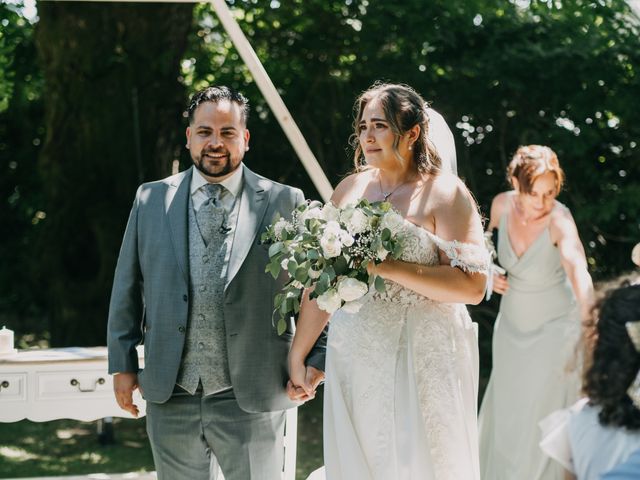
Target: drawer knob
<point>4,384</point>
<point>76,383</point>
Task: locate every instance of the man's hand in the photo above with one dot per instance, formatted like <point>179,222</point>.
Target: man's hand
<point>314,377</point>
<point>123,386</point>
<point>303,391</point>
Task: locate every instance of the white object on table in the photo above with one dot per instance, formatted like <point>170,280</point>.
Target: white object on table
<point>6,342</point>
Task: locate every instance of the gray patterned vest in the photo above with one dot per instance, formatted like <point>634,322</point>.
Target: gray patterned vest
<point>204,357</point>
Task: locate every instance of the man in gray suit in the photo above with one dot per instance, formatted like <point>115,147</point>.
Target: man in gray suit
<point>190,284</point>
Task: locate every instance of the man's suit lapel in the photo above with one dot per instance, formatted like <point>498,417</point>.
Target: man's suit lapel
<point>176,206</point>
<point>253,205</point>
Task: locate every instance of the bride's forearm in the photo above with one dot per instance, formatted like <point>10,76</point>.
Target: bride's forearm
<point>441,283</point>
<point>311,322</point>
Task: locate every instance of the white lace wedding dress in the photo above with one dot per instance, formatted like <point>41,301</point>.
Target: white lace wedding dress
<point>402,380</point>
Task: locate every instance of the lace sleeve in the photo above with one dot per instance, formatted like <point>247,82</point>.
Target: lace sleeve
<point>466,256</point>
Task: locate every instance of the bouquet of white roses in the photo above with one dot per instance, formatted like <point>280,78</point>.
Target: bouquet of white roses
<point>329,248</point>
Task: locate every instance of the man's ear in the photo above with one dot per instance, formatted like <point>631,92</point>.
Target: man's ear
<point>188,134</point>
<point>247,135</point>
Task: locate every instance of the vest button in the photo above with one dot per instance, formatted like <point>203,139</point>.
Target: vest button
<point>181,329</point>
<point>185,297</point>
<point>200,346</point>
<point>203,288</point>
<point>205,259</point>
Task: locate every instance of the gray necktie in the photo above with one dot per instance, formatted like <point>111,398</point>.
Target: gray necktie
<point>211,214</point>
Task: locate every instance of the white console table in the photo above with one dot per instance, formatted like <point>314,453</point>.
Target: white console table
<point>55,383</point>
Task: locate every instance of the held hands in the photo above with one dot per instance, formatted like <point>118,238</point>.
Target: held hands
<point>303,381</point>
<point>123,386</point>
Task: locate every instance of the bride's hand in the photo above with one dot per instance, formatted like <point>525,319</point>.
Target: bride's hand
<point>381,268</point>
<point>500,283</point>
<point>298,389</point>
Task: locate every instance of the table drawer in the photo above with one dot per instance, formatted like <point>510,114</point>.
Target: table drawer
<point>61,385</point>
<point>13,387</point>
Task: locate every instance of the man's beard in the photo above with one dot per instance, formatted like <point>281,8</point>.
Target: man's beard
<point>226,169</point>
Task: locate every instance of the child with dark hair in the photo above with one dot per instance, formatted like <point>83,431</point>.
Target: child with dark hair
<point>602,430</point>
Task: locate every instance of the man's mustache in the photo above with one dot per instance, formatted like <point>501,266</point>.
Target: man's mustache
<point>214,151</point>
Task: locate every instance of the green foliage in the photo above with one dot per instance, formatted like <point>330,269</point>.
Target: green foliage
<point>113,115</point>
<point>22,133</point>
<point>504,74</point>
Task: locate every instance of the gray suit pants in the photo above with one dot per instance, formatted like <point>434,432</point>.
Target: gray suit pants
<point>189,433</point>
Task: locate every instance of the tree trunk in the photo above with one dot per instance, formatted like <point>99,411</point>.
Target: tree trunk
<point>113,107</point>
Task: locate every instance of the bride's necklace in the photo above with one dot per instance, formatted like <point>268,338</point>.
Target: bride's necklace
<point>385,196</point>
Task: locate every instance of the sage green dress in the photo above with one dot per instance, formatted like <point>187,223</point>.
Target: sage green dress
<point>534,361</point>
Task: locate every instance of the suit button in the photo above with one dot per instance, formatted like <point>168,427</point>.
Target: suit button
<point>185,297</point>
<point>203,288</point>
<point>181,329</point>
<point>205,259</point>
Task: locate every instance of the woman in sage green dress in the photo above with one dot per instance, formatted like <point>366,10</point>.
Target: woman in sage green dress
<point>546,292</point>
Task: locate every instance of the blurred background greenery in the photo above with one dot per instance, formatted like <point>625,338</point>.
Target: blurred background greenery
<point>92,98</point>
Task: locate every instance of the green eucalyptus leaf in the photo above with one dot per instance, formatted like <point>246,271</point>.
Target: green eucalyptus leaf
<point>275,248</point>
<point>301,274</point>
<point>340,266</point>
<point>292,266</point>
<point>282,326</point>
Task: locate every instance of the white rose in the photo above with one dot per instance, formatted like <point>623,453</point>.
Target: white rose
<point>358,222</point>
<point>332,226</point>
<point>334,230</point>
<point>329,301</point>
<point>352,307</point>
<point>351,289</point>
<point>331,246</point>
<point>330,213</point>
<point>393,221</point>
<point>346,239</point>
<point>330,240</point>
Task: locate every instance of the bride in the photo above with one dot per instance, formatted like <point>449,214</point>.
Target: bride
<point>402,373</point>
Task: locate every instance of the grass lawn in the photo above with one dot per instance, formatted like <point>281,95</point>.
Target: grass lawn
<point>68,447</point>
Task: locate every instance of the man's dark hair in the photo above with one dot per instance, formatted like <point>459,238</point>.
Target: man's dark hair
<point>215,95</point>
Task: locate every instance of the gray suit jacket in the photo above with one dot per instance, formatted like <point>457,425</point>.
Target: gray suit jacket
<point>150,296</point>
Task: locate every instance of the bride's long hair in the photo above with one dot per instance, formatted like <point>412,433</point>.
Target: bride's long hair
<point>403,109</point>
